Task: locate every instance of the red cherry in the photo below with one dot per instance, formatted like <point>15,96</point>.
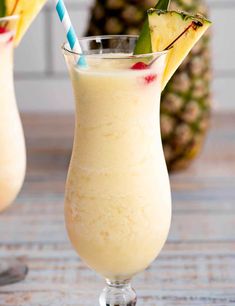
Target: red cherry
<point>3,30</point>
<point>10,39</point>
<point>139,66</point>
<point>150,78</point>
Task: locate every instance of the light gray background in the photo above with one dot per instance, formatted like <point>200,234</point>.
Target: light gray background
<point>41,78</point>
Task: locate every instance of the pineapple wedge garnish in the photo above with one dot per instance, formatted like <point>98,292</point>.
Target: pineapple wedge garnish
<point>27,10</point>
<point>176,31</point>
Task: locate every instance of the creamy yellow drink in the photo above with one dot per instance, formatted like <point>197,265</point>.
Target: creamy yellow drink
<point>118,203</point>
<point>12,146</point>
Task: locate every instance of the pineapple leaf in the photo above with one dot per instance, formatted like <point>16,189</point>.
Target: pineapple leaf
<point>143,44</point>
<point>2,8</point>
<point>163,5</point>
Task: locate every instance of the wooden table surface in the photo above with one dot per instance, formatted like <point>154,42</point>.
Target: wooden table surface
<point>197,264</point>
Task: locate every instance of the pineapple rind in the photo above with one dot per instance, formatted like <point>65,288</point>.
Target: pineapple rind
<point>184,15</point>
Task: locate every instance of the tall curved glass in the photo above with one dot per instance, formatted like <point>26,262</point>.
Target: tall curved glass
<point>117,202</point>
<point>12,144</point>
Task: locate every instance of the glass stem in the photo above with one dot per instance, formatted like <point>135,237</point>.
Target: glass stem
<point>118,293</point>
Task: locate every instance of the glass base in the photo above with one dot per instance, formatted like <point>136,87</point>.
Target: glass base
<point>12,271</point>
<point>118,294</point>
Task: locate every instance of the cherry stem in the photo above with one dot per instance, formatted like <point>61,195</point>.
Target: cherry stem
<point>192,24</point>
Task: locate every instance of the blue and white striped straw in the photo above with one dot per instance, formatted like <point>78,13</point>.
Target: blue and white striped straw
<point>70,33</point>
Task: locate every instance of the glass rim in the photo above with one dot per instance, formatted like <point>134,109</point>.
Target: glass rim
<point>12,17</point>
<point>129,56</point>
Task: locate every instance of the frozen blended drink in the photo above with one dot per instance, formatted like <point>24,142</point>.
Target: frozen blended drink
<point>118,203</point>
<point>12,144</point>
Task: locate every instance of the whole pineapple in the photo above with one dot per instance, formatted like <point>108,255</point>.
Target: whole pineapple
<point>185,104</point>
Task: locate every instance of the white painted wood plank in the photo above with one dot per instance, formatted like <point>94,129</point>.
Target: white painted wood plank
<point>184,227</point>
<point>193,270</point>
<point>44,95</point>
<point>55,94</point>
<point>77,3</point>
<point>219,3</point>
<point>30,55</point>
<point>223,93</point>
<point>77,297</point>
<point>223,44</point>
<point>80,19</point>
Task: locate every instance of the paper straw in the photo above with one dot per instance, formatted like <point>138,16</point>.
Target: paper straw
<point>69,29</point>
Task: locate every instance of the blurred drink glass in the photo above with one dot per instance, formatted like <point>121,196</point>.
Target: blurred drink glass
<point>12,143</point>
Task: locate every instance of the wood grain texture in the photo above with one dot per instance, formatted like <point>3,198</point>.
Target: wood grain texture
<point>197,264</point>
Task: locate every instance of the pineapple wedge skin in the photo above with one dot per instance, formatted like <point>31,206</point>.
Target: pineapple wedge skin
<point>27,10</point>
<point>165,26</point>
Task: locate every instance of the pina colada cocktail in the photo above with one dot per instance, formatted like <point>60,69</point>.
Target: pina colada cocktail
<point>12,146</point>
<point>16,16</point>
<point>117,202</point>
